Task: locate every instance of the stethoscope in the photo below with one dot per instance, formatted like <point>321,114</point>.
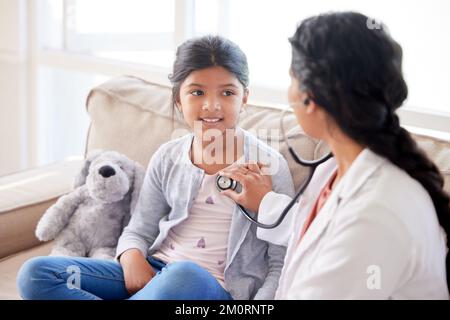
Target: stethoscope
<point>225,183</point>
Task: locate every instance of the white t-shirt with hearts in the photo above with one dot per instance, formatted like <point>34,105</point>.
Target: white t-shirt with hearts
<point>203,237</point>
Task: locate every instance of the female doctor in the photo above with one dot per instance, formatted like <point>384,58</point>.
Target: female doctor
<point>372,223</point>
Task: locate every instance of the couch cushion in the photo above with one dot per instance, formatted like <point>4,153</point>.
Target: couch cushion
<point>11,265</point>
<point>17,227</point>
<point>25,196</point>
<point>38,184</point>
<point>439,151</point>
<point>130,116</point>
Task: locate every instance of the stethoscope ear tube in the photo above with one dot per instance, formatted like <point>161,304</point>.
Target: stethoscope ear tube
<point>299,160</point>
<point>308,163</point>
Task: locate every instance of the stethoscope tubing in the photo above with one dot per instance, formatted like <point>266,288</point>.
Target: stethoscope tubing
<point>306,163</point>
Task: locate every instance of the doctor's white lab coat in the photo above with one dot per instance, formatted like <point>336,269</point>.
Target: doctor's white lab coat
<point>376,237</point>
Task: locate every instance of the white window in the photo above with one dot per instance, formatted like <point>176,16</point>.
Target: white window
<point>91,40</point>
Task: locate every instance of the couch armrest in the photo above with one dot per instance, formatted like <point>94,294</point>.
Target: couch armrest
<point>24,197</point>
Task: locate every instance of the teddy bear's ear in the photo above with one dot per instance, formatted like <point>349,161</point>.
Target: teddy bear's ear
<point>80,179</point>
<point>139,173</point>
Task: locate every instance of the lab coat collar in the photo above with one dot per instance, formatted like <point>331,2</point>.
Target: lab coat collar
<point>361,169</point>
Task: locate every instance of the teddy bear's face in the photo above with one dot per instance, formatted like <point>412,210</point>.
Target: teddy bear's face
<point>110,177</point>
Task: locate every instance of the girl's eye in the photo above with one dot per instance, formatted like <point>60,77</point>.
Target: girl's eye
<point>228,93</point>
<point>197,92</point>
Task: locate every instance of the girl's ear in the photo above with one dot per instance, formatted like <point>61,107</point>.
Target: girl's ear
<point>245,97</point>
<point>178,105</point>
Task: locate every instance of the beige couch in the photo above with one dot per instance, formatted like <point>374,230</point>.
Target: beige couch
<point>134,117</point>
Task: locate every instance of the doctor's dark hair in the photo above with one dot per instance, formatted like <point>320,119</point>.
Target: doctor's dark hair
<point>204,52</point>
<point>351,67</point>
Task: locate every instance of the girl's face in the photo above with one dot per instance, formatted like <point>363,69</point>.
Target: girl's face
<point>212,98</point>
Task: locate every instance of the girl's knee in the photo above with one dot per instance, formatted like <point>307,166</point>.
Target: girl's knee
<point>185,276</point>
<point>30,275</point>
<point>186,269</point>
<point>183,280</point>
<point>185,266</point>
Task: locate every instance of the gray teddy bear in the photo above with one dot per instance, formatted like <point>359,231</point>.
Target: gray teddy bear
<point>88,221</point>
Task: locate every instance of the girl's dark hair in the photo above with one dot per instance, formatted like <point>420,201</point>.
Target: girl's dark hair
<point>349,65</point>
<point>204,52</point>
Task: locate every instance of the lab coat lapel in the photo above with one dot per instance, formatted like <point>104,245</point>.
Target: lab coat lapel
<point>318,226</point>
<point>318,182</point>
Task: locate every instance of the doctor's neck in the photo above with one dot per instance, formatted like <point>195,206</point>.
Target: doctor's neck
<point>345,150</point>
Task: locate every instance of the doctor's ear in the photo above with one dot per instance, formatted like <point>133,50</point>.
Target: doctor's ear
<point>310,105</point>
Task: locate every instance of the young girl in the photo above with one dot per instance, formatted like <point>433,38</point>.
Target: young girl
<point>185,239</point>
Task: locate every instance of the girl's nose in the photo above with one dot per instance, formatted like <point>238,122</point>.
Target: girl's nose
<point>208,105</point>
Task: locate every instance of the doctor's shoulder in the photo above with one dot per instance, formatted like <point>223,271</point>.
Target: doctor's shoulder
<point>396,204</point>
<point>394,188</point>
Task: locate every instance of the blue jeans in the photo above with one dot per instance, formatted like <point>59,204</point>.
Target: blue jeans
<point>54,278</point>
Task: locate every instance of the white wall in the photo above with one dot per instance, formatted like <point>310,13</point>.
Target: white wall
<point>13,81</point>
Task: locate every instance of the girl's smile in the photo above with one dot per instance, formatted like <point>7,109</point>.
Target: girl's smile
<point>211,122</point>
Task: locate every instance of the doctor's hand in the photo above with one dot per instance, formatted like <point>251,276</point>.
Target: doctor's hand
<point>255,184</point>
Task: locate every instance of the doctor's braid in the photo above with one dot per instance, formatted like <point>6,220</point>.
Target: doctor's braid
<point>354,73</point>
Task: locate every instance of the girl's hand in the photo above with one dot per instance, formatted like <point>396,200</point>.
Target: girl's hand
<point>255,184</point>
<point>137,271</point>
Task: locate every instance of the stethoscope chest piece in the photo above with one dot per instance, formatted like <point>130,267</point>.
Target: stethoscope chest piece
<point>225,183</point>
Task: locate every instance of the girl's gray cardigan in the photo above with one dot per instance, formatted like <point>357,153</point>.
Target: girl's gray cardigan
<point>171,184</point>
